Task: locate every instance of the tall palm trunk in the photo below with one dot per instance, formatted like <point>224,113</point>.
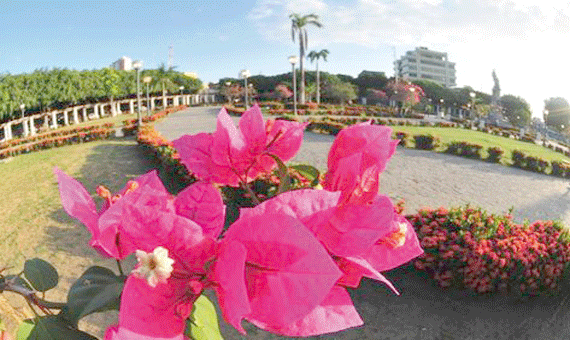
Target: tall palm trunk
<point>301,63</point>
<point>318,85</point>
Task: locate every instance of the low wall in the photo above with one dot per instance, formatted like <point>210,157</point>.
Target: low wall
<point>30,125</point>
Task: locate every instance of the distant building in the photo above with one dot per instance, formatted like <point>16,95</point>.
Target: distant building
<point>124,64</point>
<point>424,64</point>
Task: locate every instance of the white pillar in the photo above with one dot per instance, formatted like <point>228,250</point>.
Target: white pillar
<point>75,116</point>
<point>54,120</point>
<point>7,131</point>
<point>84,113</point>
<point>46,121</point>
<point>65,118</point>
<point>32,126</point>
<point>175,101</point>
<point>96,111</point>
<point>131,106</point>
<point>152,104</point>
<point>25,126</point>
<point>101,111</point>
<point>164,101</point>
<point>119,108</point>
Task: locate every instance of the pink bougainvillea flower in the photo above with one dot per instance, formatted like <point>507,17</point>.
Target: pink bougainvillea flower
<point>334,314</point>
<point>231,154</point>
<point>148,313</point>
<point>200,202</point>
<point>78,203</point>
<point>285,266</point>
<point>348,232</point>
<point>357,157</point>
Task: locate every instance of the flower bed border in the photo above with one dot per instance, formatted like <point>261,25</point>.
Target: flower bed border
<point>57,139</point>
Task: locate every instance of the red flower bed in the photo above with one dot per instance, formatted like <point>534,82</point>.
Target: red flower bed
<point>54,134</point>
<point>68,137</point>
<point>486,253</point>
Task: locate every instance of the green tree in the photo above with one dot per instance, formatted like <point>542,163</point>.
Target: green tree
<point>298,26</point>
<point>557,113</point>
<point>110,81</point>
<point>516,110</point>
<point>370,80</point>
<point>315,56</point>
<point>338,91</point>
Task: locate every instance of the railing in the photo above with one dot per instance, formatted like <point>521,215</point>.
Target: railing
<point>39,122</point>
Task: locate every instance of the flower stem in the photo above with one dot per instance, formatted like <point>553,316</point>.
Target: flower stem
<point>120,268</point>
<point>251,193</point>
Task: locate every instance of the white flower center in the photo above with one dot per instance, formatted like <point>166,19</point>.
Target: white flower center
<point>155,267</point>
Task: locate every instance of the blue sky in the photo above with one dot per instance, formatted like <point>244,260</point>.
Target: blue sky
<point>524,40</point>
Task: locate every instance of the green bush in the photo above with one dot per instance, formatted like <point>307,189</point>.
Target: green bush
<point>519,159</point>
<point>403,137</point>
<point>560,169</point>
<point>426,142</point>
<point>464,149</point>
<point>495,154</point>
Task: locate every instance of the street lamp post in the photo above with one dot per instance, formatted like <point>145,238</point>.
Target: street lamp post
<point>23,108</point>
<point>228,91</point>
<point>147,81</point>
<point>137,65</point>
<point>472,95</point>
<point>245,74</point>
<point>293,60</point>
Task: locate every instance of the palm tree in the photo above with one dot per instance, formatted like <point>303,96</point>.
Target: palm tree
<point>298,25</point>
<point>316,56</point>
<point>164,75</point>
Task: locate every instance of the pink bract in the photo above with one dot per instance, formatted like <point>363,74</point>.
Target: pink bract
<point>231,154</point>
<point>119,228</point>
<point>151,313</point>
<point>298,271</point>
<point>357,157</point>
<point>77,202</point>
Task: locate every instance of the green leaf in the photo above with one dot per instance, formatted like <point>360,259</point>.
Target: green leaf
<point>284,180</point>
<point>41,274</point>
<point>51,327</point>
<point>309,172</point>
<point>97,290</point>
<point>203,322</point>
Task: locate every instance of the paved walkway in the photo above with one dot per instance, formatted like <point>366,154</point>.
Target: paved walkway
<point>426,179</point>
<point>424,311</point>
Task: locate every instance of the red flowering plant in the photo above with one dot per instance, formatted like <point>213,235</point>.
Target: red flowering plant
<point>284,264</point>
<point>486,253</point>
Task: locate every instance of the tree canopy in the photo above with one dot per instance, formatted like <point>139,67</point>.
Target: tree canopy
<point>557,113</point>
<point>516,110</point>
<point>57,88</point>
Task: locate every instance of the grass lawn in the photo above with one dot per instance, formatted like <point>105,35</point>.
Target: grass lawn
<point>33,222</point>
<point>448,135</point>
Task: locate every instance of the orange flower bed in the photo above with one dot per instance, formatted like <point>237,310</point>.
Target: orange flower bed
<point>487,253</point>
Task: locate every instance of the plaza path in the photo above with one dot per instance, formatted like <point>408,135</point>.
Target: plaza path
<point>423,178</point>
<point>430,179</point>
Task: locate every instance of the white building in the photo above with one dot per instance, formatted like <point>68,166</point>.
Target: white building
<point>124,64</point>
<point>423,64</point>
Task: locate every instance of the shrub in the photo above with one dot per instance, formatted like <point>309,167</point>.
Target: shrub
<point>328,127</point>
<point>486,253</point>
<point>403,137</point>
<point>560,169</point>
<point>426,142</point>
<point>495,154</point>
<point>536,164</point>
<point>464,149</point>
<point>519,159</point>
